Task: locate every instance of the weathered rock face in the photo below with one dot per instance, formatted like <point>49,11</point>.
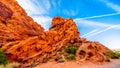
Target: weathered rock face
<point>92,51</point>
<point>24,40</point>
<point>15,24</point>
<point>14,18</point>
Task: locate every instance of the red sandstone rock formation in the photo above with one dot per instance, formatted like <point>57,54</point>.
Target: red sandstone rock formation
<point>24,40</point>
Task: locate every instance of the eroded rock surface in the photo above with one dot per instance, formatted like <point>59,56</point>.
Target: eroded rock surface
<point>24,41</point>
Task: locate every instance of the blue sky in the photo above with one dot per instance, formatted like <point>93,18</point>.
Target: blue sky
<point>97,20</point>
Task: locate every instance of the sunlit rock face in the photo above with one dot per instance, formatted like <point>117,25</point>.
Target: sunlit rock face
<point>16,19</point>
<point>15,24</point>
<point>23,40</point>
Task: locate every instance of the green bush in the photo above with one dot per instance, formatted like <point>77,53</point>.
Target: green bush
<point>67,54</point>
<point>71,49</point>
<point>70,57</point>
<point>113,54</point>
<point>3,58</point>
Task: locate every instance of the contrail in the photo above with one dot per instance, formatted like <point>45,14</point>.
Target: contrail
<point>100,16</point>
<point>111,27</point>
<point>91,32</point>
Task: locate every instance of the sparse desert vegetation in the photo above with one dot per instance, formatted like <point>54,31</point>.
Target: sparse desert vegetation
<point>70,51</point>
<point>112,55</point>
<point>10,65</point>
<point>3,58</point>
<point>67,54</point>
<point>4,62</point>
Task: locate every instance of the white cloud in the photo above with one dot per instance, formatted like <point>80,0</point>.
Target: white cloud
<point>37,10</point>
<point>113,6</point>
<point>46,4</point>
<point>44,21</point>
<point>35,7</point>
<point>70,12</point>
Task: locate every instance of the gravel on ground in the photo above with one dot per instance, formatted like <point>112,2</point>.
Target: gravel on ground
<point>75,64</point>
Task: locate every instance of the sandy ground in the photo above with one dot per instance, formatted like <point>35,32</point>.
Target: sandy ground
<point>75,64</point>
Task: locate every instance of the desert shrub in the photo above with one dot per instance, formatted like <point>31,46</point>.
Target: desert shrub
<point>3,58</point>
<point>113,54</point>
<point>70,57</point>
<point>71,49</point>
<point>67,54</point>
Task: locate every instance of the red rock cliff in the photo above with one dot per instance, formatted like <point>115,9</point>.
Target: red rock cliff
<point>22,39</point>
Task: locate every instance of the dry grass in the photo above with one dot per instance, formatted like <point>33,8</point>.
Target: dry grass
<point>10,65</point>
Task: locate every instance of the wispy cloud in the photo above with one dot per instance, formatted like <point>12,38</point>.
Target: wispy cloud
<point>55,3</point>
<point>37,10</point>
<point>44,21</point>
<point>46,4</point>
<point>70,12</point>
<point>35,7</point>
<point>113,6</point>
